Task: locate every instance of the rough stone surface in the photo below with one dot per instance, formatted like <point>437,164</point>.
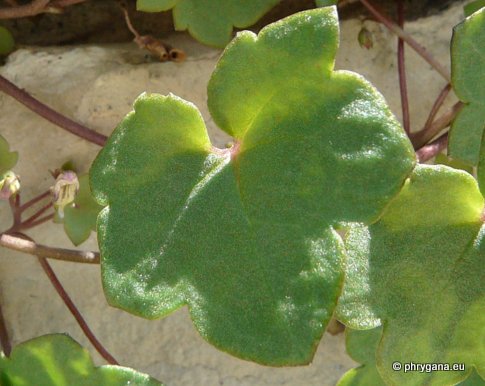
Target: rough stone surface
<point>96,85</point>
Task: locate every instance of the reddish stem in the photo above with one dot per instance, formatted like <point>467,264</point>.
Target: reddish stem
<point>437,105</point>
<point>422,137</point>
<point>14,202</point>
<point>36,215</point>
<point>429,151</point>
<point>4,338</point>
<point>33,8</point>
<point>51,115</point>
<point>28,225</point>
<point>380,16</point>
<point>402,71</point>
<point>34,201</point>
<point>75,312</point>
<point>66,3</point>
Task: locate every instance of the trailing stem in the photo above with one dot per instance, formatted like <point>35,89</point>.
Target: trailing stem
<point>434,148</point>
<point>437,105</point>
<point>50,114</point>
<point>420,138</point>
<point>75,312</point>
<point>26,246</point>
<point>402,71</point>
<point>35,7</point>
<point>380,16</point>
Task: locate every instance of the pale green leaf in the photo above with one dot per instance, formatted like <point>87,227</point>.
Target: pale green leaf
<point>8,159</point>
<point>361,346</point>
<point>245,236</point>
<point>80,217</point>
<point>420,272</point>
<point>468,80</point>
<point>58,360</point>
<point>210,21</point>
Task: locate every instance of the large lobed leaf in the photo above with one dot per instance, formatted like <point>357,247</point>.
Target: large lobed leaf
<point>420,272</point>
<point>210,21</point>
<point>468,80</point>
<point>58,360</point>
<point>245,236</point>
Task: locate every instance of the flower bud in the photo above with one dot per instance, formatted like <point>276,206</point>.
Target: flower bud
<point>365,38</point>
<point>64,191</point>
<point>9,185</point>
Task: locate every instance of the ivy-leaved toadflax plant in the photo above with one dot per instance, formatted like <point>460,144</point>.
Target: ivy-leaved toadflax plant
<point>246,236</point>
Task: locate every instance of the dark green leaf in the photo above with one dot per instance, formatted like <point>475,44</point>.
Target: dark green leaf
<point>7,44</point>
<point>473,7</point>
<point>8,159</point>
<point>80,218</point>
<point>245,235</point>
<point>442,159</point>
<point>468,80</point>
<point>58,360</point>
<point>473,380</point>
<point>420,272</point>
<point>325,3</point>
<point>210,21</point>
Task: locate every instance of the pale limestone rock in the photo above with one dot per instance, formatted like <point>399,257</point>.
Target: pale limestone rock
<point>96,86</point>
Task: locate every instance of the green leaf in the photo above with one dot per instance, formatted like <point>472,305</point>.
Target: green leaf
<point>473,7</point>
<point>442,159</point>
<point>420,272</point>
<point>245,235</point>
<point>473,380</point>
<point>58,360</point>
<point>210,21</point>
<point>361,346</point>
<point>468,80</point>
<point>80,217</point>
<point>7,44</point>
<point>325,3</point>
<point>8,159</point>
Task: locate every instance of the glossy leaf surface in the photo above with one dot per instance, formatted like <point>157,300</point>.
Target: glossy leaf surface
<point>468,80</point>
<point>80,217</point>
<point>420,272</point>
<point>210,21</point>
<point>8,159</point>
<point>245,235</point>
<point>361,345</point>
<point>58,360</point>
